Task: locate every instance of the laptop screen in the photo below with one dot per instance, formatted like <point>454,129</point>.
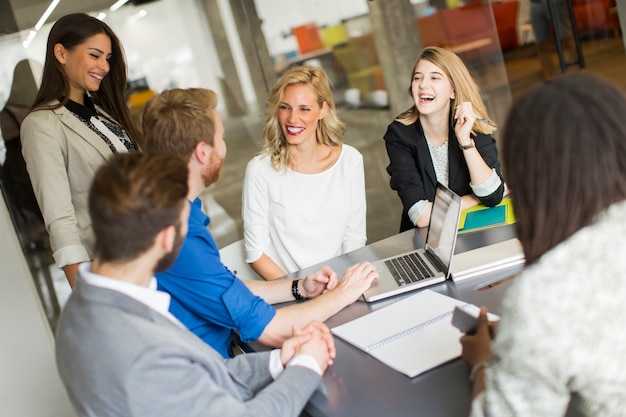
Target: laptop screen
<point>444,222</point>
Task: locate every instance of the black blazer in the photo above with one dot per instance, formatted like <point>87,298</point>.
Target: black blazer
<point>413,174</point>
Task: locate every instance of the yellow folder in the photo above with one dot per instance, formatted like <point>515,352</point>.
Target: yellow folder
<point>482,217</point>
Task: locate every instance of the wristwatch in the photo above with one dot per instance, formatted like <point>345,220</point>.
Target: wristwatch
<point>470,146</point>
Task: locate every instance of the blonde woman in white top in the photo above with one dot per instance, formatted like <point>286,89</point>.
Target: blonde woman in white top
<point>304,195</point>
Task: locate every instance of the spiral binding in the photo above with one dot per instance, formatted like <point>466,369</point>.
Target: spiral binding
<point>408,331</point>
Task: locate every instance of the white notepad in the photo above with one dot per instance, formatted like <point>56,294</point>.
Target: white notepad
<point>411,336</point>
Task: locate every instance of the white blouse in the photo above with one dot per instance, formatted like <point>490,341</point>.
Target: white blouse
<point>299,220</point>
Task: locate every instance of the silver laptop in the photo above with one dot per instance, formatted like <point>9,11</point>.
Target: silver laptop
<point>427,266</point>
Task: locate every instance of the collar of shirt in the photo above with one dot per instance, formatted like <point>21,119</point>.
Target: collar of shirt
<point>196,214</point>
<point>150,296</point>
<point>85,111</point>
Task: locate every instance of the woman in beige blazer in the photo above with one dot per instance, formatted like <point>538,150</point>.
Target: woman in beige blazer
<point>78,120</point>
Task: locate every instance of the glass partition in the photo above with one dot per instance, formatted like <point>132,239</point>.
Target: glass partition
<point>342,41</point>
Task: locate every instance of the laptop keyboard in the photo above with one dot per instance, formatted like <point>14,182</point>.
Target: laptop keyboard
<point>408,268</point>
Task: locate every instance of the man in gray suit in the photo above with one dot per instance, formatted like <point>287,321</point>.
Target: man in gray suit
<point>121,353</point>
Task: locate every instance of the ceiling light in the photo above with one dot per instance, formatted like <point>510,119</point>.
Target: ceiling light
<point>101,16</point>
<point>117,5</point>
<point>29,38</point>
<point>46,14</point>
<point>141,13</point>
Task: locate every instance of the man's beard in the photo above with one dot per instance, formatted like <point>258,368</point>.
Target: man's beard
<point>168,259</point>
<point>213,170</point>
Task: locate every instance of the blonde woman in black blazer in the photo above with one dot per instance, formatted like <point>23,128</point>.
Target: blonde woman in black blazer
<point>78,121</point>
<point>445,137</point>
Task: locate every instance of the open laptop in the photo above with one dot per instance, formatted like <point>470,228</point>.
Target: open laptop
<point>427,266</point>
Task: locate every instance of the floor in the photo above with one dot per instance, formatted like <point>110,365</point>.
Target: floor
<point>365,130</point>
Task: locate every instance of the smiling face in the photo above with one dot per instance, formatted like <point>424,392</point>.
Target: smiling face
<point>431,89</point>
<point>298,113</point>
<point>85,65</point>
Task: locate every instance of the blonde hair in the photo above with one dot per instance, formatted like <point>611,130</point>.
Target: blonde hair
<point>463,84</point>
<point>329,129</point>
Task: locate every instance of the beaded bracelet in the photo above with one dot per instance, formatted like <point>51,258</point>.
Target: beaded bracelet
<point>294,290</point>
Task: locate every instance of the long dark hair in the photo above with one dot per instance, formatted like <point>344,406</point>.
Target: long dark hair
<point>72,30</point>
<point>564,153</point>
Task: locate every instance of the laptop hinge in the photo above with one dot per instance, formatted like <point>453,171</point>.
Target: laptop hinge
<point>435,261</point>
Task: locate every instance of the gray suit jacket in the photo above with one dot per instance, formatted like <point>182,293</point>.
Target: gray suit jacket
<point>118,357</point>
<point>62,156</point>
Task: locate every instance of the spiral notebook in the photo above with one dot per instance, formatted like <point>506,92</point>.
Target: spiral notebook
<point>412,335</point>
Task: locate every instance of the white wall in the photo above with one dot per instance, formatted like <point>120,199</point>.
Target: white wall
<point>12,52</point>
<point>29,383</point>
<point>171,46</point>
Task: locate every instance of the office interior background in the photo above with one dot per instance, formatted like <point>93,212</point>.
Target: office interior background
<point>239,48</point>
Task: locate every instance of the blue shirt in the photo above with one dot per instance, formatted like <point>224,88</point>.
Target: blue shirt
<point>206,296</point>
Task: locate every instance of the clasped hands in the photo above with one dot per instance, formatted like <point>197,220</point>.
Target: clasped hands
<point>314,340</point>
